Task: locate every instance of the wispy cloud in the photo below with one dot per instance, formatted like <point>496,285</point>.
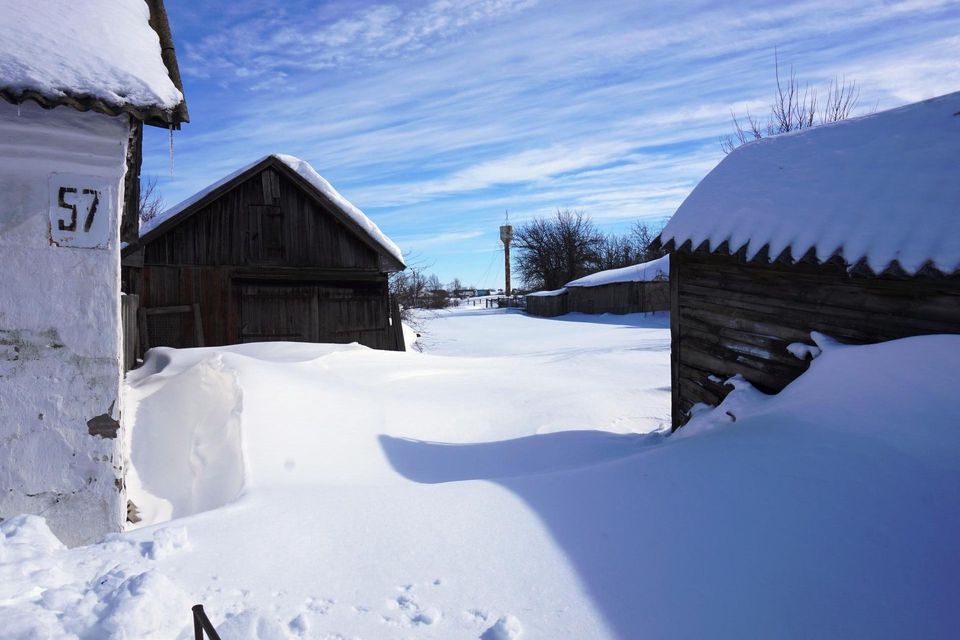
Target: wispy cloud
<point>272,43</point>
<point>436,118</point>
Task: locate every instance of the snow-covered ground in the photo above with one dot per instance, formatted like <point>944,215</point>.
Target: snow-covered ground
<point>514,481</point>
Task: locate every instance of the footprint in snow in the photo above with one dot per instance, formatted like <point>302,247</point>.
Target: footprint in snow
<point>476,616</point>
<point>320,606</point>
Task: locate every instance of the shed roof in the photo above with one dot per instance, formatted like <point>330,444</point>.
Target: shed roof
<point>879,192</point>
<point>303,174</point>
<point>110,56</point>
<point>658,269</point>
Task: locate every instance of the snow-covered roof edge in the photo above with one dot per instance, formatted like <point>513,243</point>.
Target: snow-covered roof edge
<point>302,169</point>
<point>547,294</point>
<point>155,98</point>
<point>878,193</point>
<point>658,269</point>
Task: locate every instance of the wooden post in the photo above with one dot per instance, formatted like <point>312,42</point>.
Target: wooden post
<point>675,260</point>
<point>129,316</point>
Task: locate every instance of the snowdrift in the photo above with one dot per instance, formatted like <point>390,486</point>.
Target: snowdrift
<point>384,496</point>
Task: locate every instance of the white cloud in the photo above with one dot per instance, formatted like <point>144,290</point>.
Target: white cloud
<point>434,119</point>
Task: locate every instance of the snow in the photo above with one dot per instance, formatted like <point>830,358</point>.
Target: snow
<point>516,480</point>
<point>658,269</point>
<point>882,187</point>
<point>803,351</point>
<point>547,294</point>
<point>307,172</point>
<point>107,50</point>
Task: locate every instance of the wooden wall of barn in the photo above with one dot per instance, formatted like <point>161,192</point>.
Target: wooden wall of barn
<point>620,297</point>
<point>547,306</point>
<point>263,261</point>
<point>730,317</point>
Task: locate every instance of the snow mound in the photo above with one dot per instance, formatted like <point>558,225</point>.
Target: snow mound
<point>186,448</point>
<point>107,50</point>
<point>901,393</point>
<point>506,628</point>
<point>112,590</point>
<point>23,537</point>
<point>883,187</point>
<point>391,495</point>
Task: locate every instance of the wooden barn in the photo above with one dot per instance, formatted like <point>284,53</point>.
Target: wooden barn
<point>547,304</point>
<point>639,288</point>
<point>851,230</point>
<point>78,82</point>
<point>269,253</point>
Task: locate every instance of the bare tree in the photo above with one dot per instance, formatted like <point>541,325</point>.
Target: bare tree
<point>644,234</point>
<point>617,251</point>
<point>552,251</point>
<point>413,288</point>
<point>151,202</point>
<point>794,108</point>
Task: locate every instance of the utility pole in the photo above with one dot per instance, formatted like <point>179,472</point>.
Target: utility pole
<point>506,237</point>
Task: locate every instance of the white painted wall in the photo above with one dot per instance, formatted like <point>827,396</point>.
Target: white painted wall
<point>59,320</point>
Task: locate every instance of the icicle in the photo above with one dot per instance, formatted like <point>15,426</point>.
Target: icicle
<point>18,109</point>
<point>171,150</point>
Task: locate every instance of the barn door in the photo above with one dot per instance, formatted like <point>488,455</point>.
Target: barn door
<point>278,313</point>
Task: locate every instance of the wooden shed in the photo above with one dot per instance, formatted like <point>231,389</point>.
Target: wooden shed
<point>269,253</point>
<point>547,304</point>
<point>639,288</point>
<point>78,82</point>
<point>851,230</point>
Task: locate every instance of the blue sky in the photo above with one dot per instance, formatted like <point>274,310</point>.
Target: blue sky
<point>437,117</point>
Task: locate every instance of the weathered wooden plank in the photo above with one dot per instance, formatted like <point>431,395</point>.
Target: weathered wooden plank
<point>729,317</point>
<point>678,414</point>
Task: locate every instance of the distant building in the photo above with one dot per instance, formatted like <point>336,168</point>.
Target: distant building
<point>269,253</point>
<point>77,83</point>
<point>851,230</point>
<point>639,288</point>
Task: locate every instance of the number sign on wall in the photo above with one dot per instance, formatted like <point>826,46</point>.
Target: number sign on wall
<point>81,211</point>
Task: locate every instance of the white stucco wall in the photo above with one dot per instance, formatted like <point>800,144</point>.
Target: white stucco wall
<point>59,321</point>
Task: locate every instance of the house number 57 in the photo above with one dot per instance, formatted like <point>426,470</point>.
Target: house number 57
<point>81,211</point>
<point>91,199</point>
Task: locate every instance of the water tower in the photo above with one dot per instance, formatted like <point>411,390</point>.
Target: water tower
<point>506,237</point>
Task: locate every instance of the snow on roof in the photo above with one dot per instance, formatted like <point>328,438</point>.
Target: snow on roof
<point>546,294</point>
<point>658,269</point>
<point>100,49</point>
<point>304,170</point>
<point>310,175</point>
<point>880,188</point>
